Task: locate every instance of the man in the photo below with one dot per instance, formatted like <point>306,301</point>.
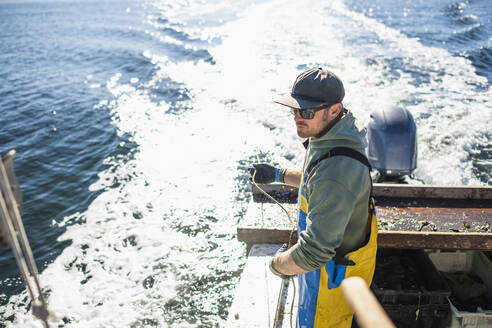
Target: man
<point>337,228</point>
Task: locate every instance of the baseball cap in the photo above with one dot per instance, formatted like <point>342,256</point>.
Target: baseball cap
<point>312,88</point>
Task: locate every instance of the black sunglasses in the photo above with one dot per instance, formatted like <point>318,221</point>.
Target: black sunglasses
<point>308,113</point>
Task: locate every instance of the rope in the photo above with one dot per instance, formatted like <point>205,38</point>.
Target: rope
<point>14,230</point>
<point>293,299</point>
<point>291,236</point>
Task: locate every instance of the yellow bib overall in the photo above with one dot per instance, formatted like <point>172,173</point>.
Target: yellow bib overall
<point>321,303</point>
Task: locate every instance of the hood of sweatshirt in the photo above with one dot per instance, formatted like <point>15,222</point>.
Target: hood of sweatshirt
<point>344,133</point>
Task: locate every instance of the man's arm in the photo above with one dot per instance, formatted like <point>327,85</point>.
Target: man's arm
<point>286,265</point>
<point>292,177</point>
<point>316,245</point>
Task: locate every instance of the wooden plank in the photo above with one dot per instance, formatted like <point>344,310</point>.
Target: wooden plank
<point>435,240</point>
<point>256,296</point>
<point>288,194</point>
<point>427,191</point>
<point>253,235</point>
<point>393,239</point>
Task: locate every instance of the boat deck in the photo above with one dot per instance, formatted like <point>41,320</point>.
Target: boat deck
<point>255,303</point>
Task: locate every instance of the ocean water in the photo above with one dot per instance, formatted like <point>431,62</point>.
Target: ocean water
<point>135,123</point>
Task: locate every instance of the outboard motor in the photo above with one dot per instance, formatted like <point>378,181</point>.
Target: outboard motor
<point>392,137</point>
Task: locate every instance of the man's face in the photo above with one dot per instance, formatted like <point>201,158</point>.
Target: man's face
<point>307,128</point>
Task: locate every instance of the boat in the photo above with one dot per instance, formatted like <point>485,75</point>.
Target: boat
<point>430,218</point>
<point>410,217</point>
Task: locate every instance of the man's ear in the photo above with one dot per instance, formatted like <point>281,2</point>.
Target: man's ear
<point>334,110</point>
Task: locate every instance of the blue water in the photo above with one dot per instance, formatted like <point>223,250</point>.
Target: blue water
<point>47,51</point>
<point>134,124</point>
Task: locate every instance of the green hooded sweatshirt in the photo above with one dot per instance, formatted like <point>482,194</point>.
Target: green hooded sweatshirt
<point>338,194</point>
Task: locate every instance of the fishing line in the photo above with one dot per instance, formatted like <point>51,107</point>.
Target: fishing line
<point>281,206</point>
<point>289,245</point>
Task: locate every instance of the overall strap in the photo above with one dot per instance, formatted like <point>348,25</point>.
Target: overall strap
<point>349,152</point>
<point>340,151</point>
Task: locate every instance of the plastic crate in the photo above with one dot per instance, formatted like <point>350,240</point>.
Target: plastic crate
<point>419,295</point>
<point>474,262</point>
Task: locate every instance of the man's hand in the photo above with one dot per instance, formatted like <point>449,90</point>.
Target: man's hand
<point>272,267</point>
<point>266,173</point>
<point>282,249</point>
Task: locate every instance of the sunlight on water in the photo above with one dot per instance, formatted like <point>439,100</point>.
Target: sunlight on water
<point>158,245</point>
<point>451,111</point>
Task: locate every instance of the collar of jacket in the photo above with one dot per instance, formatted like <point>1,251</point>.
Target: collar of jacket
<point>327,128</point>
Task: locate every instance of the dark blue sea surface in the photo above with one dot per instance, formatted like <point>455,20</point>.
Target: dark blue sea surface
<point>47,51</point>
<point>134,123</point>
<point>461,27</point>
